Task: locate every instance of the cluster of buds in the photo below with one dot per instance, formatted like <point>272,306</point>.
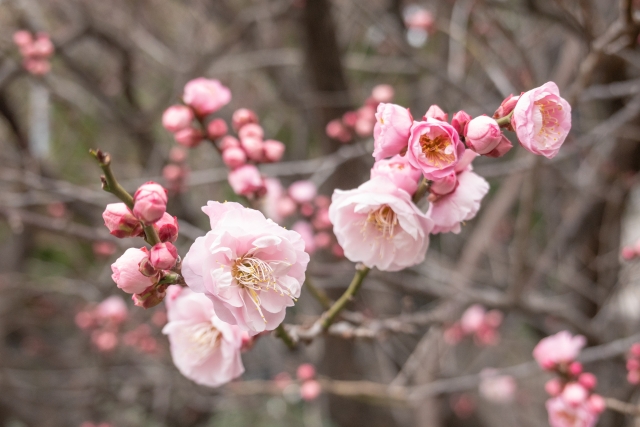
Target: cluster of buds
<point>476,321</point>
<point>241,154</point>
<point>633,364</point>
<point>35,51</point>
<point>103,322</point>
<point>571,391</point>
<point>361,121</point>
<point>302,199</point>
<point>306,388</point>
<point>420,24</point>
<point>175,173</point>
<point>142,272</point>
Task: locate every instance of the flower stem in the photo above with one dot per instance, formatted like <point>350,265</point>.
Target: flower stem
<point>505,121</point>
<point>318,294</point>
<point>423,188</point>
<point>330,315</point>
<point>284,336</point>
<point>111,185</point>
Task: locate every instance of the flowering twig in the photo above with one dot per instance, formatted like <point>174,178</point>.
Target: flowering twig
<point>281,333</point>
<point>110,184</point>
<point>329,316</point>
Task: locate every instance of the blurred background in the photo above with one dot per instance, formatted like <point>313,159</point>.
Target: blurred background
<point>544,250</point>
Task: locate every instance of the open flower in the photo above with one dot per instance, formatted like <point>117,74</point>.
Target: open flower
<point>250,267</point>
<point>206,96</point>
<point>378,224</point>
<point>204,348</point>
<point>449,211</point>
<point>563,414</point>
<point>561,348</point>
<point>542,120</point>
<point>391,131</point>
<point>434,148</point>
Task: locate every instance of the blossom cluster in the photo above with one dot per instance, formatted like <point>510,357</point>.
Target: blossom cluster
<point>103,322</point>
<point>572,402</point>
<point>35,51</point>
<point>476,321</point>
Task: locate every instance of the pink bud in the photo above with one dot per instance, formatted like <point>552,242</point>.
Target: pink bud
<point>303,191</point>
<point>286,207</point>
<point>234,157</point>
<point>506,107</point>
<point>246,180</point>
<point>364,127</point>
<point>37,67</point>
<point>163,256</point>
<point>482,134</point>
<point>254,147</point>
<point>633,364</point>
<point>282,380</point>
<point>322,240</point>
<point>104,340</point>
<point>310,390</point>
<point>228,142</point>
<point>42,46</point>
<point>445,185</point>
<point>383,93</point>
<point>460,120</point>
<point>628,253</point>
<point>503,148</point>
<point>273,150</point>
<point>553,387</point>
<point>242,117</point>
<point>575,368</point>
<point>574,394</point>
<point>217,128</point>
<point>472,318</point>
<point>336,130</point>
<point>588,380</point>
<point>306,371</point>
<point>435,112</point>
<point>597,403</point>
<point>348,119</point>
<point>189,137</point>
<point>150,297</point>
<point>120,221</point>
<point>321,219</point>
<point>103,249</point>
<point>147,269</point>
<point>177,117</point>
<point>22,38</point>
<point>113,309</point>
<point>83,319</point>
<point>167,228</point>
<point>633,377</point>
<point>178,155</point>
<point>150,202</point>
<point>126,273</point>
<point>251,130</point>
<point>205,96</point>
<point>635,349</point>
<point>306,209</point>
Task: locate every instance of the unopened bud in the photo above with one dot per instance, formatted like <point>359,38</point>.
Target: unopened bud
<point>273,150</point>
<point>188,137</point>
<point>241,117</point>
<point>150,202</point>
<point>217,128</point>
<point>252,130</point>
<point>177,118</point>
<point>234,157</point>
<point>460,120</point>
<point>254,147</point>
<point>435,112</point>
<point>120,221</point>
<point>167,228</point>
<point>503,147</point>
<point>482,134</point>
<point>163,256</point>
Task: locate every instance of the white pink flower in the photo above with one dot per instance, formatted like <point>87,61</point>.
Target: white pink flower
<point>204,349</point>
<point>378,224</point>
<point>206,96</point>
<point>434,148</point>
<point>126,272</point>
<point>542,120</point>
<point>561,348</point>
<point>246,180</point>
<point>449,211</point>
<point>563,414</point>
<point>250,267</point>
<point>391,131</point>
<point>399,171</point>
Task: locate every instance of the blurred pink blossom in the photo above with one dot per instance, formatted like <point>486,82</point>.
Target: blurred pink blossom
<point>177,118</point>
<point>559,349</point>
<point>206,96</point>
<point>246,180</point>
<point>303,191</point>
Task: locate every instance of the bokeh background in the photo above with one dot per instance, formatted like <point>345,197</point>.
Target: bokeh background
<point>544,249</point>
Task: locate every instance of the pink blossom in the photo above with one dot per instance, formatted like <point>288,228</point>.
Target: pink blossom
<point>178,155</point>
<point>382,93</point>
<point>177,117</point>
<point>464,162</point>
<point>506,107</point>
<point>399,171</point>
<point>588,380</point>
<point>217,128</point>
<point>150,202</point>
<point>497,388</point>
<point>204,349</point>
<point>273,150</point>
<point>303,191</point>
<point>563,414</point>
<point>234,157</point>
<point>501,149</point>
<point>542,120</point>
<point>253,130</point>
<point>22,38</point>
<point>286,207</point>
<point>435,112</point>
<point>310,390</point>
<point>229,141</point>
<point>103,248</point>
<point>322,240</point>
<point>163,256</point>
<point>113,309</point>
<point>473,318</point>
<point>482,134</point>
<point>554,387</point>
<point>206,96</point>
<point>253,146</point>
<point>306,232</point>
<point>241,117</point>
<point>126,271</point>
<point>561,348</point>
<point>306,372</point>
<point>104,340</point>
<point>434,148</point>
<point>250,267</point>
<point>364,127</point>
<point>628,253</point>
<point>167,228</point>
<point>336,130</point>
<point>460,120</point>
<point>449,211</point>
<point>120,221</point>
<point>188,137</point>
<point>391,131</point>
<point>246,180</point>
<point>349,119</point>
<point>42,46</point>
<point>420,18</point>
<point>378,224</point>
<point>575,393</point>
<point>37,67</point>
<point>444,186</point>
<point>321,219</point>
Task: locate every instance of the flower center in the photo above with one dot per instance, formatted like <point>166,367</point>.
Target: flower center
<point>438,150</point>
<point>203,339</point>
<point>254,275</point>
<point>549,121</point>
<point>568,418</point>
<point>384,219</point>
